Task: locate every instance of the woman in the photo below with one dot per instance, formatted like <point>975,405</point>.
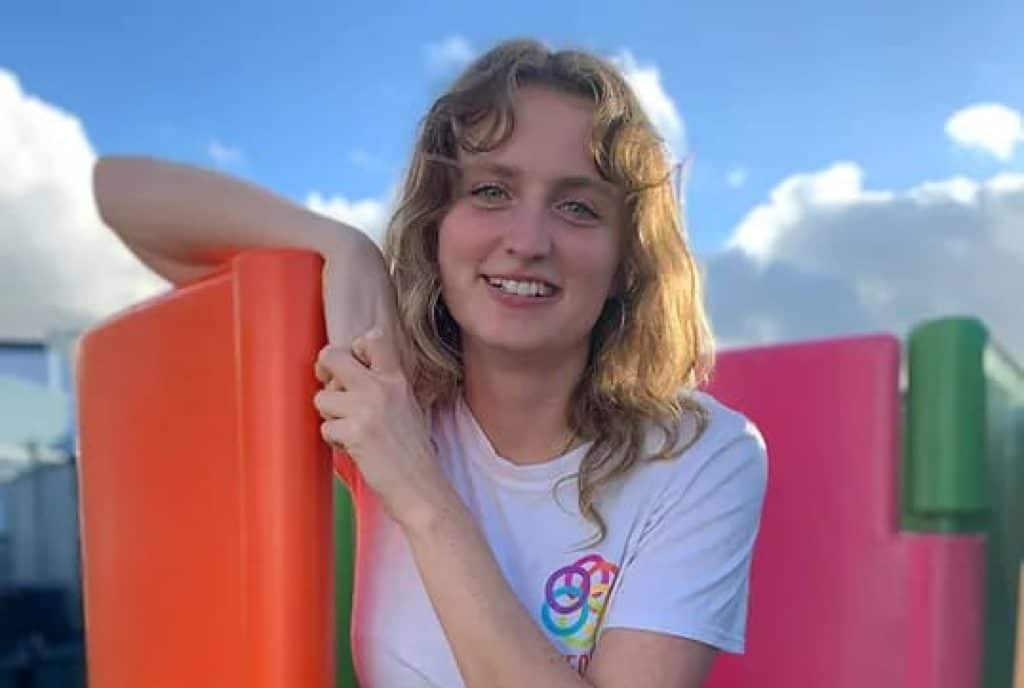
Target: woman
<point>543,497</point>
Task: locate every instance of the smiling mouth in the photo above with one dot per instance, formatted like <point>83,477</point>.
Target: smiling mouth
<point>526,288</point>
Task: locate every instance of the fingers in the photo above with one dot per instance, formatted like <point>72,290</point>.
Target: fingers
<point>334,364</point>
<point>331,356</point>
<point>337,370</point>
<point>323,375</point>
<point>349,382</point>
<point>330,404</point>
<point>330,431</point>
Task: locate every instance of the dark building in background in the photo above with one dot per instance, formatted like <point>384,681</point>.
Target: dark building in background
<point>41,622</point>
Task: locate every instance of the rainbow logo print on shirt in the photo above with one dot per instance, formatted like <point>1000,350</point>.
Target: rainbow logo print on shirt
<point>574,599</point>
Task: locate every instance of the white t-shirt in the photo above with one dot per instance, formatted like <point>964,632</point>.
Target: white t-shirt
<point>676,558</point>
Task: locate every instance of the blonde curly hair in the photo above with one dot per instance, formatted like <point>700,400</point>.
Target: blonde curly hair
<point>651,345</point>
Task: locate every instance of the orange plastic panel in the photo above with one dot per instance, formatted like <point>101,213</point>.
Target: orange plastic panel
<point>205,488</point>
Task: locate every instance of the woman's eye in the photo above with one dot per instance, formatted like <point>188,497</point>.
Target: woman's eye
<point>489,192</point>
<point>581,210</point>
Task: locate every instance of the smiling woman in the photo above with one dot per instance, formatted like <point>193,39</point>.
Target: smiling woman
<point>524,219</point>
<point>543,495</point>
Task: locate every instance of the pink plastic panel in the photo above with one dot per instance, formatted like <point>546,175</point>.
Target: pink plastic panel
<point>839,596</point>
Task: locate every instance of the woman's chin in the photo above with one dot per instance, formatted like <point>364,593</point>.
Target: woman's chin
<point>521,344</point>
<point>514,345</point>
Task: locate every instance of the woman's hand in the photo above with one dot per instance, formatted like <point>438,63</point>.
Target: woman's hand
<point>371,413</point>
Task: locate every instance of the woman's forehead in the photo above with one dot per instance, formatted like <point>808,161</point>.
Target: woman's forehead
<point>549,139</point>
<point>536,117</point>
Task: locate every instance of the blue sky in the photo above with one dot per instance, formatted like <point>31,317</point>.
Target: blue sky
<point>324,97</point>
<point>301,89</point>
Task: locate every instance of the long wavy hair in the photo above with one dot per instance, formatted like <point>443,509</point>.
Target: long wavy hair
<point>651,345</point>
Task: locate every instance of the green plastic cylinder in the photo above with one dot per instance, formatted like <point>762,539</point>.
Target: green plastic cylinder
<point>946,481</point>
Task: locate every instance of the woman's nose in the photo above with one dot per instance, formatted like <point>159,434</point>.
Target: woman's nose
<point>528,233</point>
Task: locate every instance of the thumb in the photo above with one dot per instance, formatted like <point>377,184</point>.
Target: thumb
<point>376,352</point>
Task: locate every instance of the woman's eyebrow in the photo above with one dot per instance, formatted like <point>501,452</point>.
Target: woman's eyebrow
<point>495,168</point>
<point>605,188</point>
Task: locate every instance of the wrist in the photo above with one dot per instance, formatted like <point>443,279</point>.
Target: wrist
<point>430,515</point>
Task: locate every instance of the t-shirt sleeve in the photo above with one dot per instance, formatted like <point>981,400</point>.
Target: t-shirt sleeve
<point>688,573</point>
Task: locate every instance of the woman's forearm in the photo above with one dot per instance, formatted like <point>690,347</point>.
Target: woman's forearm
<point>184,221</point>
<point>494,641</point>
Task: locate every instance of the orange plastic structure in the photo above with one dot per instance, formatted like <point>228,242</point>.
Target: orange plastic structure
<point>205,488</point>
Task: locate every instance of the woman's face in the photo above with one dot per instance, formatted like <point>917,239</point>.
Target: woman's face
<point>529,248</point>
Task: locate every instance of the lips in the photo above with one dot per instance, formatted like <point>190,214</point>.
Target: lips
<point>521,300</point>
<point>521,278</point>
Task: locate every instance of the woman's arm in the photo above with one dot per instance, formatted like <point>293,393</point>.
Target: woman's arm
<point>496,643</point>
<point>368,407</point>
<point>185,223</point>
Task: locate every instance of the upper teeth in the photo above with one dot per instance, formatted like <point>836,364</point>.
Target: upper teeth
<point>520,288</point>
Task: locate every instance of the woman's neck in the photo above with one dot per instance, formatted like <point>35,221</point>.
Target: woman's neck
<point>523,409</point>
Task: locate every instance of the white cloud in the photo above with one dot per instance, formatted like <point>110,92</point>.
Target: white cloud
<point>60,268</point>
<point>368,214</point>
<point>645,80</point>
<point>758,232</point>
<point>826,256</point>
<point>991,127</point>
<point>451,55</point>
<point>736,177</point>
<point>223,154</point>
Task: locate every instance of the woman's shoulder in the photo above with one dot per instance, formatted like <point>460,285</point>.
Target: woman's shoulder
<point>727,444</point>
<point>725,424</point>
<point>705,425</point>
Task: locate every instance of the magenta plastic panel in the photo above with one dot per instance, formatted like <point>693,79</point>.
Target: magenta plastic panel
<point>839,596</point>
